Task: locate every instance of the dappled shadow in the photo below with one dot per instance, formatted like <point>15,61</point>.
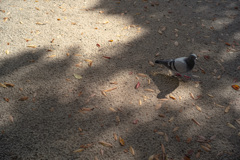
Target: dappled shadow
<point>47,124</point>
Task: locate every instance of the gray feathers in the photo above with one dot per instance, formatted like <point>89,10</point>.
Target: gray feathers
<point>181,65</point>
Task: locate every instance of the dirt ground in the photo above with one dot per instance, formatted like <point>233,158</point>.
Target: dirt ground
<point>74,65</point>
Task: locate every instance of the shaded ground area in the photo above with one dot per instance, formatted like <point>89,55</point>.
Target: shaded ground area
<point>61,56</point>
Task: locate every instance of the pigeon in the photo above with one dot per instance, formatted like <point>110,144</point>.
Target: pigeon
<point>180,65</point>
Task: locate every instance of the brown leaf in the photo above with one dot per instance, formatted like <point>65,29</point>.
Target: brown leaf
<point>151,63</point>
<point>89,62</point>
<point>52,56</point>
<point>23,98</point>
<point>11,118</point>
<point>2,85</point>
<point>172,97</point>
<point>118,119</point>
<point>166,137</point>
<point>110,40</point>
<point>31,46</point>
<point>175,129</point>
<point>161,115</point>
<point>78,150</point>
<point>113,83</point>
<point>196,122</point>
<point>87,109</point>
<point>106,57</point>
<point>104,93</point>
<point>115,136</point>
<point>227,109</point>
<point>205,148</point>
<point>177,138</point>
<point>137,85</point>
<point>158,106</point>
<point>163,149</point>
<point>149,90</point>
<point>171,119</point>
<point>98,45</point>
<point>231,126</point>
<point>9,84</point>
<point>192,95</point>
<point>198,154</point>
<point>161,133</point>
<point>236,87</point>
<point>105,144</point>
<point>108,90</point>
<point>142,75</point>
<point>5,19</point>
<point>6,99</point>
<point>238,121</point>
<point>121,141</point>
<point>199,108</point>
<point>80,129</point>
<point>189,139</point>
<point>131,150</point>
<point>112,109</point>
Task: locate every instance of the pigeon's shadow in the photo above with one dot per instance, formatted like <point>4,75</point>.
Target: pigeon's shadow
<point>166,84</point>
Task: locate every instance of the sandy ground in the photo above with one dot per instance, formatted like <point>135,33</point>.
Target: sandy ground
<point>51,114</point>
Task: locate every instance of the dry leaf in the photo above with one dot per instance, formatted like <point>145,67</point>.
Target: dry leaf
<point>163,149</point>
<point>175,129</point>
<point>137,85</point>
<point>104,93</point>
<point>149,81</point>
<point>52,56</point>
<point>115,136</point>
<point>151,63</point>
<point>192,95</point>
<point>205,148</point>
<point>110,40</point>
<point>89,62</point>
<point>78,150</point>
<point>77,76</point>
<point>171,119</point>
<point>198,154</point>
<point>149,90</point>
<point>118,119</point>
<point>189,139</point>
<point>166,137</point>
<point>105,144</point>
<point>31,46</point>
<point>196,122</point>
<point>80,129</point>
<point>6,99</point>
<point>161,133</point>
<point>142,75</point>
<point>5,19</point>
<point>112,109</point>
<point>9,84</point>
<point>140,102</point>
<point>131,150</point>
<point>177,138</point>
<point>113,83</point>
<point>108,90</point>
<point>172,97</point>
<point>161,115</point>
<point>238,121</point>
<point>2,85</point>
<point>23,98</point>
<point>87,109</point>
<point>11,118</point>
<point>231,126</point>
<point>227,109</point>
<point>121,141</point>
<point>106,57</point>
<point>101,151</point>
<point>236,87</point>
<point>199,108</point>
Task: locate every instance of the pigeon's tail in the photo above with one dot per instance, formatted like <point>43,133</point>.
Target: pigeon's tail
<point>166,63</point>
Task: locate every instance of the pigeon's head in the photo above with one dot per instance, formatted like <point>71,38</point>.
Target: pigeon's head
<point>193,57</point>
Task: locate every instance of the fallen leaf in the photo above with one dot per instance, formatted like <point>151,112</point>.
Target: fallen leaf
<point>77,76</point>
<point>112,109</point>
<point>104,93</point>
<point>11,118</point>
<point>171,119</point>
<point>198,154</point>
<point>140,102</point>
<point>87,109</point>
<point>151,63</point>
<point>52,56</point>
<point>6,99</point>
<point>2,85</point>
<point>115,136</point>
<point>149,90</point>
<point>131,150</point>
<point>118,119</point>
<point>105,144</point>
<point>196,122</point>
<point>106,57</point>
<point>175,129</point>
<point>5,19</point>
<point>161,115</point>
<point>101,151</point>
<point>89,62</point>
<point>73,23</point>
<point>9,84</point>
<point>199,108</point>
<point>78,150</point>
<point>227,109</point>
<point>231,126</point>
<point>205,148</point>
<point>80,129</point>
<point>23,98</point>
<point>142,75</point>
<point>192,95</point>
<point>121,141</point>
<point>98,45</point>
<point>108,90</point>
<point>177,138</point>
<point>189,139</point>
<point>137,85</point>
<point>113,83</point>
<point>31,46</point>
<point>110,40</point>
<point>228,44</point>
<point>172,97</point>
<point>163,149</point>
<point>236,87</point>
<point>238,121</point>
<point>149,81</point>
<point>166,137</point>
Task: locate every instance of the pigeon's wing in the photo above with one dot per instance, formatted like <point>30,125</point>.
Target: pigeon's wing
<point>181,65</point>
